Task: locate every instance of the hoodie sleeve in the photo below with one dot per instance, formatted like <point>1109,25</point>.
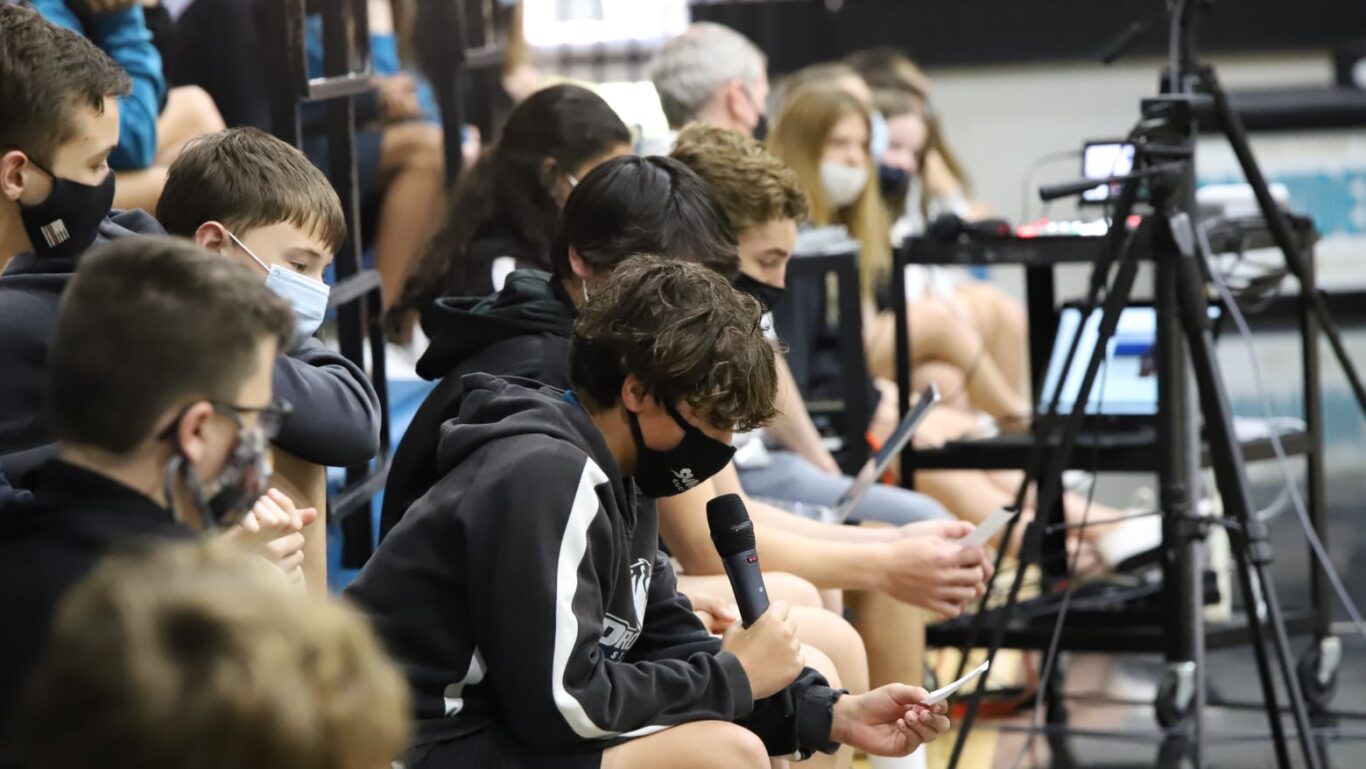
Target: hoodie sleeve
<point>671,629</point>
<point>336,415</point>
<point>540,629</point>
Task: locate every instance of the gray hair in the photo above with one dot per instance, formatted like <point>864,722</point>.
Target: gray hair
<point>691,67</point>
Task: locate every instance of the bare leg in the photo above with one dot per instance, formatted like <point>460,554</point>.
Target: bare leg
<point>938,332</point>
<point>894,634</point>
<point>696,745</point>
<point>190,112</point>
<point>1002,323</point>
<point>412,160</point>
<point>952,385</point>
<point>139,189</point>
<point>779,586</point>
<point>838,640</point>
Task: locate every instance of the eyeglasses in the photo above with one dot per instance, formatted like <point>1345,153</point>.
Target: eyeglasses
<point>270,418</point>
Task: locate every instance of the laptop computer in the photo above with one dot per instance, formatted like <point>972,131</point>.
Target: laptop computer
<point>1125,391</point>
<point>882,460</point>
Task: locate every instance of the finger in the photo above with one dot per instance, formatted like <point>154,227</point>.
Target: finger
<point>956,595</point>
<point>945,609</point>
<point>291,562</point>
<point>779,609</point>
<point>956,529</point>
<point>283,546</point>
<point>250,523</point>
<point>961,577</point>
<point>308,515</point>
<point>970,556</point>
<point>924,731</point>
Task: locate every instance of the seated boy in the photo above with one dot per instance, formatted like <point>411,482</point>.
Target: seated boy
<point>525,593</point>
<point>253,198</point>
<point>59,124</point>
<point>160,398</point>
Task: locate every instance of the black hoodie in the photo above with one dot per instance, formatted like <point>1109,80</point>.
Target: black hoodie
<point>522,331</point>
<point>336,411</point>
<point>526,590</point>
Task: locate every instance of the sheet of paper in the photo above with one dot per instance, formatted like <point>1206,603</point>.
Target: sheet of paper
<point>939,695</point>
<point>987,529</point>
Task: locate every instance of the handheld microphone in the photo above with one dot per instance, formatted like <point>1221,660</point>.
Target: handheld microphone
<point>733,534</point>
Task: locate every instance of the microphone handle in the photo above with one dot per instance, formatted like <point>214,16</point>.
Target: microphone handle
<point>747,582</point>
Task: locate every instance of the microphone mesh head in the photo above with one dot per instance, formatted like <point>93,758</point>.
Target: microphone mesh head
<point>731,529</point>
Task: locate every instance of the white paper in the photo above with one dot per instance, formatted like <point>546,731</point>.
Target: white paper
<point>939,695</point>
<point>987,529</point>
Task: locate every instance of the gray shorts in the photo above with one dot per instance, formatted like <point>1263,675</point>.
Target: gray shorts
<point>791,482</point>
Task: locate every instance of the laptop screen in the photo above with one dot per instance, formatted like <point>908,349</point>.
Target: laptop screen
<point>1127,382</point>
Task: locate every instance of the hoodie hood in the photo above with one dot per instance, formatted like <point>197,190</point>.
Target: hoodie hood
<point>493,408</point>
<point>531,302</point>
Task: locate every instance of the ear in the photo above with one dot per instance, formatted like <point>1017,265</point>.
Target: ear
<point>576,263</point>
<point>733,96</point>
<point>12,167</point>
<point>190,431</point>
<point>633,394</point>
<point>212,236</point>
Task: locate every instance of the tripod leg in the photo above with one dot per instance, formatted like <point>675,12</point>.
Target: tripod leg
<point>1252,543</point>
<point>1277,222</point>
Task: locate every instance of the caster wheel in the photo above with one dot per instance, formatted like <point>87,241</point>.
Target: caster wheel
<point>1317,670</point>
<point>1175,695</point>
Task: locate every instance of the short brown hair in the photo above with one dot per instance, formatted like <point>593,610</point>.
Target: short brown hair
<point>45,72</point>
<point>245,178</point>
<point>200,655</point>
<point>751,185</point>
<point>148,324</point>
<point>682,331</point>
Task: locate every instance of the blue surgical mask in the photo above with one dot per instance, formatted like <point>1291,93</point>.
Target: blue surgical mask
<point>880,137</point>
<point>307,296</point>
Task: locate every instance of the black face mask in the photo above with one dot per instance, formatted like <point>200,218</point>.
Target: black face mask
<point>666,473</point>
<point>767,294</point>
<point>761,129</point>
<point>66,223</point>
<point>893,182</point>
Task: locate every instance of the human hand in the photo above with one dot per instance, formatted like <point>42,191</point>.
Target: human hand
<point>888,721</point>
<point>768,650</point>
<point>716,613</point>
<point>936,574</point>
<point>274,530</point>
<point>398,97</point>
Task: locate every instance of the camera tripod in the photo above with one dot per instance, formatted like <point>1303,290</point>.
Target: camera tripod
<point>1164,164</point>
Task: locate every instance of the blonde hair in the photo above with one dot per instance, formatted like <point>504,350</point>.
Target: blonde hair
<point>805,121</point>
<point>201,656</point>
<point>750,185</point>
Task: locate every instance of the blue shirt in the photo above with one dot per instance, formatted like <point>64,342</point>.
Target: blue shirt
<point>124,36</point>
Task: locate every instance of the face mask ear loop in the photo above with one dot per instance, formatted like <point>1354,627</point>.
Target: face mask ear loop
<point>248,251</point>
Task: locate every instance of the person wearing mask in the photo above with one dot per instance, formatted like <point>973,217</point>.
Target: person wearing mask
<point>626,206</point>
<point>710,74</point>
<point>503,211</point>
<point>155,120</point>
<point>160,394</point>
<point>58,129</point>
<point>255,199</point>
<point>822,133</point>
<point>604,660</point>
<point>194,655</point>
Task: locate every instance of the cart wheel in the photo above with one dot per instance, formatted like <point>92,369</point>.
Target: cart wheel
<point>1175,696</point>
<point>1318,672</point>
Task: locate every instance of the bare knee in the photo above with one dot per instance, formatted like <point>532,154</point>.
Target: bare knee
<point>197,107</point>
<point>415,145</point>
<point>727,744</point>
<point>791,588</point>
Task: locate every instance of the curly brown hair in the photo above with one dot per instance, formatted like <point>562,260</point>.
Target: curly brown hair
<point>682,331</point>
<point>751,185</point>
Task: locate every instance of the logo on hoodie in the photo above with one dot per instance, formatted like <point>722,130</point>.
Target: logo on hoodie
<point>684,479</point>
<point>619,635</point>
